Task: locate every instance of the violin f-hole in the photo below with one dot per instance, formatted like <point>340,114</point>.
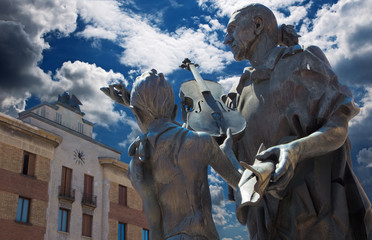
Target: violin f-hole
<point>188,104</point>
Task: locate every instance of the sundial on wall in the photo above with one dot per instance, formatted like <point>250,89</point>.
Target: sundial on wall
<point>79,157</point>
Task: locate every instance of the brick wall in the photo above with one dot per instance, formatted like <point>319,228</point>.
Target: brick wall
<point>113,229</point>
<point>8,206</point>
<point>114,192</point>
<point>14,184</point>
<point>38,212</point>
<point>11,158</point>
<point>132,215</point>
<point>9,230</point>
<point>134,200</point>
<point>133,232</point>
<point>42,168</point>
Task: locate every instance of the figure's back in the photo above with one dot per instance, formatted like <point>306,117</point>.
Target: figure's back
<point>180,163</point>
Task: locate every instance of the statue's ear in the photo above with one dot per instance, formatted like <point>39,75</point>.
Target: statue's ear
<point>174,113</point>
<point>258,26</point>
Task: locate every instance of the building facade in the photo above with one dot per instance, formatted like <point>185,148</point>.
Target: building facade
<point>25,157</point>
<point>87,194</point>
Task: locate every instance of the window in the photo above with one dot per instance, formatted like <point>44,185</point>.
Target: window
<point>63,220</point>
<point>145,234</point>
<point>23,210</point>
<point>80,127</point>
<point>58,118</point>
<point>87,225</point>
<point>28,164</point>
<point>88,186</point>
<point>122,195</point>
<point>121,231</point>
<point>66,182</point>
<point>88,197</point>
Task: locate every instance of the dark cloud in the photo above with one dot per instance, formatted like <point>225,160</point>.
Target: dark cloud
<point>18,56</point>
<point>356,71</point>
<point>364,176</point>
<point>360,37</point>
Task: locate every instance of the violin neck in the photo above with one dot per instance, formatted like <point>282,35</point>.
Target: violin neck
<point>202,86</point>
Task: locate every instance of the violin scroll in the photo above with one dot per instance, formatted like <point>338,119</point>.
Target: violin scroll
<point>186,64</point>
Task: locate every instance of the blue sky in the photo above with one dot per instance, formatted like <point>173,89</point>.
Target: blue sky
<point>51,46</point>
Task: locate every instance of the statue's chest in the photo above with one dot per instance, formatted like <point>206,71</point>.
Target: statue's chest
<point>257,101</point>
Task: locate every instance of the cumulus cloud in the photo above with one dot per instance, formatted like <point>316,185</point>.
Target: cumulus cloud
<point>23,25</point>
<point>135,131</point>
<point>221,211</point>
<point>343,30</point>
<point>84,80</point>
<point>360,129</point>
<point>228,82</point>
<point>364,157</point>
<point>226,8</point>
<point>147,46</point>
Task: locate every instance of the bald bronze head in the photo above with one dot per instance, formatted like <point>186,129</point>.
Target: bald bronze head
<point>250,29</point>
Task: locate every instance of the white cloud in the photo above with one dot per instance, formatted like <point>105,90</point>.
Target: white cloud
<point>239,238</point>
<point>343,30</point>
<point>364,157</point>
<point>92,32</point>
<point>134,132</point>
<point>227,83</point>
<point>84,80</point>
<point>220,212</point>
<point>23,25</point>
<point>146,46</point>
<point>360,128</point>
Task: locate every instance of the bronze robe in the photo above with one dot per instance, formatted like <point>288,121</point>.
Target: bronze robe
<point>289,97</point>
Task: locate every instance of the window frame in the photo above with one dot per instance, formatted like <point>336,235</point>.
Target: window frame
<point>122,235</point>
<point>89,231</point>
<point>123,195</point>
<point>29,163</point>
<point>66,181</point>
<point>145,234</point>
<point>60,223</point>
<point>20,215</point>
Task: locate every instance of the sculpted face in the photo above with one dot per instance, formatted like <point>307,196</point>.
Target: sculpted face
<point>240,35</point>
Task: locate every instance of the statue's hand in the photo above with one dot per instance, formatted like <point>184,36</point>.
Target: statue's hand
<point>227,144</point>
<point>118,93</point>
<point>286,156</point>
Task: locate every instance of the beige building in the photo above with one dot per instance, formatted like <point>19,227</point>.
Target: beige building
<point>25,157</point>
<point>87,193</point>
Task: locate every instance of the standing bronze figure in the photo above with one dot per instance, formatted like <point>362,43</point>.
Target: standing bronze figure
<point>293,103</point>
<point>170,163</point>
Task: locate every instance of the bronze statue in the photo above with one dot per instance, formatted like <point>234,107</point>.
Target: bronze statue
<point>169,165</point>
<point>294,105</point>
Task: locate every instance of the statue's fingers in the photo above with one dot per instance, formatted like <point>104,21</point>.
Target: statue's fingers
<point>228,133</point>
<point>284,180</point>
<point>105,90</point>
<point>115,95</point>
<point>271,153</point>
<point>228,140</point>
<point>280,170</point>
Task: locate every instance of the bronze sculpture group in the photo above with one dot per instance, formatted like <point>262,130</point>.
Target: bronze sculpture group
<point>301,187</point>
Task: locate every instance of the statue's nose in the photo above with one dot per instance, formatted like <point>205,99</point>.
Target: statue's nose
<point>228,39</point>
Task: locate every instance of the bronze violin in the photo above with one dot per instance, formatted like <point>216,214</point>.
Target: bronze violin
<point>204,109</point>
